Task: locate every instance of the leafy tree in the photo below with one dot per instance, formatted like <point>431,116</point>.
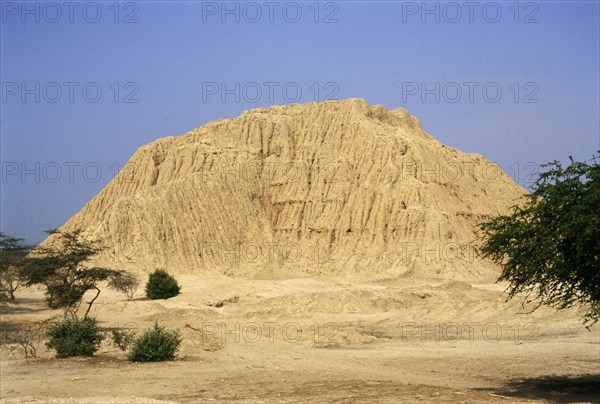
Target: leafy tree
<point>549,247</point>
<point>12,258</point>
<point>155,344</point>
<point>161,285</point>
<point>61,267</point>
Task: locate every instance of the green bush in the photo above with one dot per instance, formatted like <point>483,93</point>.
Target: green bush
<point>74,337</point>
<point>155,344</point>
<point>161,285</point>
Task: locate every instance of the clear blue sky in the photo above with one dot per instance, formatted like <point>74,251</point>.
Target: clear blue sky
<point>168,55</point>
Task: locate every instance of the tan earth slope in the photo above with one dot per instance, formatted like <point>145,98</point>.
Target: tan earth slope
<point>335,188</point>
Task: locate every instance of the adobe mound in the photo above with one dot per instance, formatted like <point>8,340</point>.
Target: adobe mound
<point>338,188</point>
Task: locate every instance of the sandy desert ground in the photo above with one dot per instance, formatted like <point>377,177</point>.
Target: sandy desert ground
<point>321,340</point>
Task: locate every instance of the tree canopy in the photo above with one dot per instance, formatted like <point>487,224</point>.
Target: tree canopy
<point>549,246</point>
<point>12,258</point>
<point>61,266</point>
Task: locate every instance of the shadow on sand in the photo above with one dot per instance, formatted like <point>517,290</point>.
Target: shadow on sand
<point>24,305</point>
<point>554,388</point>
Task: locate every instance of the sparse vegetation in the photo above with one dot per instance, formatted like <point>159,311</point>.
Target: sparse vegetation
<point>161,285</point>
<point>223,302</point>
<point>550,247</point>
<point>26,334</point>
<point>122,338</point>
<point>126,283</point>
<point>155,344</point>
<point>10,281</point>
<point>74,337</point>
